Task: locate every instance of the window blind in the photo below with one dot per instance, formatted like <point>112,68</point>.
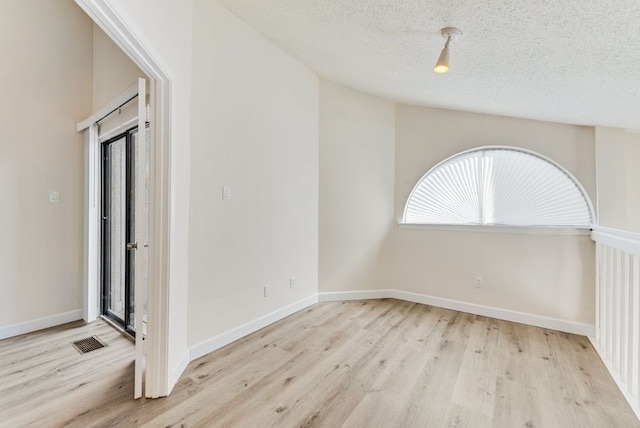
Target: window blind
<point>499,186</point>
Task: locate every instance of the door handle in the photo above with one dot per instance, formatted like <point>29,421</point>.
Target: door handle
<point>132,246</point>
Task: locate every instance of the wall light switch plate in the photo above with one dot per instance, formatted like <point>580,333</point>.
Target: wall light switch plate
<point>226,193</point>
<point>54,196</point>
<point>292,282</point>
<point>267,290</point>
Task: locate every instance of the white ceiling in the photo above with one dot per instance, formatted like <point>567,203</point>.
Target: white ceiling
<point>570,61</point>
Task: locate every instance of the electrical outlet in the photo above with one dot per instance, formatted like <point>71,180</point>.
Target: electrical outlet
<point>292,282</point>
<point>267,290</point>
<point>479,282</point>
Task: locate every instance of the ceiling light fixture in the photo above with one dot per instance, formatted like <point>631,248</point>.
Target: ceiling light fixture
<point>451,33</point>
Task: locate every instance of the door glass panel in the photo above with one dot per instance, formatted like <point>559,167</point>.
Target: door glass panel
<point>126,230</point>
<point>140,214</point>
<point>117,230</point>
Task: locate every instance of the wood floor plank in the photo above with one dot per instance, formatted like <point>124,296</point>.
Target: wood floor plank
<point>462,417</point>
<point>386,401</point>
<point>276,360</point>
<point>475,387</point>
<point>57,374</point>
<point>341,396</point>
<point>330,357</point>
<point>371,363</point>
<point>432,393</point>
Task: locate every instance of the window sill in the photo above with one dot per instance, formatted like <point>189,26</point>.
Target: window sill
<point>531,230</point>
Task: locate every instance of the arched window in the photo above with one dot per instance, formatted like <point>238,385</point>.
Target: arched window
<point>499,186</point>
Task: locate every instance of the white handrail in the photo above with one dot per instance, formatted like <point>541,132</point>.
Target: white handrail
<point>617,238</point>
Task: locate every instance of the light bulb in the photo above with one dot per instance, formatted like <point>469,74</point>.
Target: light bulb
<point>442,66</point>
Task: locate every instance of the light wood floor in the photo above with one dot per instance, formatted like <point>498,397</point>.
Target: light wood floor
<point>373,363</point>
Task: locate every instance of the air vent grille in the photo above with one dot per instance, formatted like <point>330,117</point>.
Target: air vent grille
<point>88,344</point>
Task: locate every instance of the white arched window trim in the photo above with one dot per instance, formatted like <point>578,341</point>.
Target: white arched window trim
<point>465,171</point>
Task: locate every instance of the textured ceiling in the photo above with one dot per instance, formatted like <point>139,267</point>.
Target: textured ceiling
<point>570,61</point>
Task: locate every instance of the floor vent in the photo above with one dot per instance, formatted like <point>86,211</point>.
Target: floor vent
<point>89,344</point>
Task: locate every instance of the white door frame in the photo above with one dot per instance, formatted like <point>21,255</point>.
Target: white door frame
<point>157,370</point>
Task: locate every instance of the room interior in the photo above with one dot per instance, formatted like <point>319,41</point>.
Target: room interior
<point>320,144</point>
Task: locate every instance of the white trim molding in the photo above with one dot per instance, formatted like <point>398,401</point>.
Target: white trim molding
<point>39,324</point>
<point>339,296</point>
<point>179,368</point>
<point>616,238</point>
<point>126,95</point>
<point>241,331</point>
<point>529,230</point>
<point>583,329</point>
<point>92,220</point>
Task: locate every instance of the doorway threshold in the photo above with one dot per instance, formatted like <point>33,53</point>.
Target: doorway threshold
<point>118,328</point>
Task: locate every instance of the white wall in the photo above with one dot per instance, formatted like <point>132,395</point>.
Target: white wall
<point>362,247</point>
<point>357,133</point>
<point>113,71</point>
<point>618,157</point>
<point>426,136</point>
<point>544,275</point>
<point>45,82</point>
<point>165,29</point>
<point>254,129</point>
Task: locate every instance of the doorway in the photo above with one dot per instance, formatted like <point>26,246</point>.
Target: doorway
<point>160,375</point>
<point>117,218</point>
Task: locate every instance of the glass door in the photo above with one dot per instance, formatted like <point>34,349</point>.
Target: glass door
<point>118,272</point>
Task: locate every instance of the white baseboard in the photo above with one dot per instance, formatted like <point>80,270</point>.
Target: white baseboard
<point>178,370</point>
<point>11,330</point>
<point>472,308</point>
<point>622,386</point>
<point>239,332</point>
<point>354,295</point>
